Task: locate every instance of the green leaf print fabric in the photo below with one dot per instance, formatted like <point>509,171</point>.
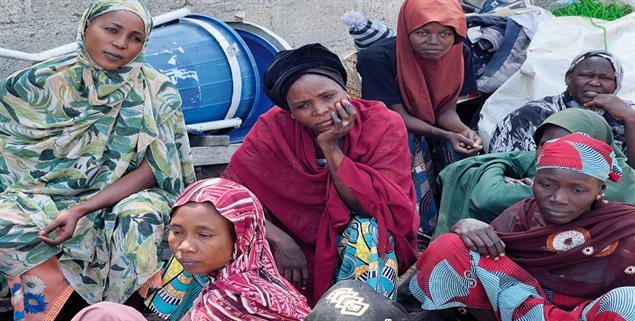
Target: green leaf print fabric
<point>69,129</point>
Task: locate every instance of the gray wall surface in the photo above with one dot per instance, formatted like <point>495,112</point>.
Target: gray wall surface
<point>38,25</point>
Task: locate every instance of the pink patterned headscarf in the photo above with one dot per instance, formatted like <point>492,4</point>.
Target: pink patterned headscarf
<point>249,287</point>
<point>108,311</point>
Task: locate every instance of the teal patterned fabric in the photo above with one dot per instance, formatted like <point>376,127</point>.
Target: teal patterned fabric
<point>357,248</point>
<point>69,129</point>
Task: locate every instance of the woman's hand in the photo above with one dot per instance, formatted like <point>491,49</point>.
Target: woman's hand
<point>613,105</point>
<point>343,119</point>
<point>291,262</point>
<point>469,145</point>
<point>480,237</point>
<point>64,223</point>
<point>477,142</point>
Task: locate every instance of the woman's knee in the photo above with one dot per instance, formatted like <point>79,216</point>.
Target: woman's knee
<point>142,203</point>
<point>445,242</point>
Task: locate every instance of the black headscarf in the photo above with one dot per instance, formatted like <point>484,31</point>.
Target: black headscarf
<point>290,65</point>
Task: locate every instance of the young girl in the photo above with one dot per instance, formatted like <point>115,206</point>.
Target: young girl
<point>217,228</point>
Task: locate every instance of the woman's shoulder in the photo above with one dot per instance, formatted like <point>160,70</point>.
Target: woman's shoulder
<point>382,50</point>
<point>274,122</point>
<point>274,114</point>
<point>42,71</point>
<point>156,78</point>
<point>376,112</point>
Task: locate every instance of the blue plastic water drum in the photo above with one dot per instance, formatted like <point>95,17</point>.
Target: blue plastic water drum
<point>263,44</point>
<point>211,66</point>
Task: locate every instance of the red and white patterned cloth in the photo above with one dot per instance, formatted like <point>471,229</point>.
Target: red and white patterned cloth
<point>249,287</point>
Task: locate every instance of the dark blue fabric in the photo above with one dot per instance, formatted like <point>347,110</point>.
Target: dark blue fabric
<point>512,30</point>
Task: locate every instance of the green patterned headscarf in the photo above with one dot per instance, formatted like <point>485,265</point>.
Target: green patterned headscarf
<point>63,113</point>
<point>100,7</point>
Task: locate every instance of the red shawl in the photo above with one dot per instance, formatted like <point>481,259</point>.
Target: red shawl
<point>249,287</point>
<point>584,258</point>
<point>429,87</point>
<point>277,161</point>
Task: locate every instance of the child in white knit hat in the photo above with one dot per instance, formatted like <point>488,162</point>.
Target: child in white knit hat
<point>365,32</point>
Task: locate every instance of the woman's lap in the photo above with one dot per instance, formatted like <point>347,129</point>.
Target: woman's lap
<point>427,158</point>
<point>462,278</point>
<point>112,254</point>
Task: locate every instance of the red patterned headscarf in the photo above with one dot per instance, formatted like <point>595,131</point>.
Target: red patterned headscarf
<point>580,153</point>
<point>249,287</point>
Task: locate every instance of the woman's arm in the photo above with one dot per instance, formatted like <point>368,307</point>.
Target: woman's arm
<point>418,126</point>
<point>334,157</point>
<point>290,259</point>
<point>629,137</point>
<point>451,121</point>
<point>329,142</point>
<point>133,182</point>
<point>459,135</point>
<point>621,111</point>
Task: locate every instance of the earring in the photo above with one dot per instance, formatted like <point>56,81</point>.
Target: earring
<point>599,197</point>
<point>292,116</point>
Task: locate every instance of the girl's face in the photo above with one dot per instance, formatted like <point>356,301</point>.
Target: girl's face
<point>114,39</point>
<point>201,239</point>
<point>432,41</point>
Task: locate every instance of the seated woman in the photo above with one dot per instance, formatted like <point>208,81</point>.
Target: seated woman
<point>420,75</point>
<point>333,175</point>
<point>565,254</point>
<point>218,229</point>
<point>93,151</point>
<point>593,81</point>
<point>482,187</point>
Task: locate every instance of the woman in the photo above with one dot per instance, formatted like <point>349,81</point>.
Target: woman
<point>333,175</point>
<point>593,80</point>
<point>482,187</point>
<point>565,254</point>
<point>218,229</point>
<point>419,75</point>
<point>93,153</point>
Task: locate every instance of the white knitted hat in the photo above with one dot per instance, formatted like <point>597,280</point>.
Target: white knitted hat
<point>365,32</point>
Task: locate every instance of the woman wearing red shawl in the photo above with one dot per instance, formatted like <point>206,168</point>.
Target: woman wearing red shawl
<point>565,254</point>
<point>420,75</point>
<point>333,175</point>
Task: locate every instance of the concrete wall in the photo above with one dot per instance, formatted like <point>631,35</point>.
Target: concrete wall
<point>37,25</point>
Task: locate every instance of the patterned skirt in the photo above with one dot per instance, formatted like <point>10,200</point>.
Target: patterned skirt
<point>112,254</point>
<point>360,260</point>
<point>462,278</point>
<point>427,158</point>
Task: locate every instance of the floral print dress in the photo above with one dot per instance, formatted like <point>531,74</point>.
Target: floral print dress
<point>68,130</point>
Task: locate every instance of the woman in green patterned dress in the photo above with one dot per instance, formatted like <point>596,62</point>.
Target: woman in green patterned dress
<point>93,152</point>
